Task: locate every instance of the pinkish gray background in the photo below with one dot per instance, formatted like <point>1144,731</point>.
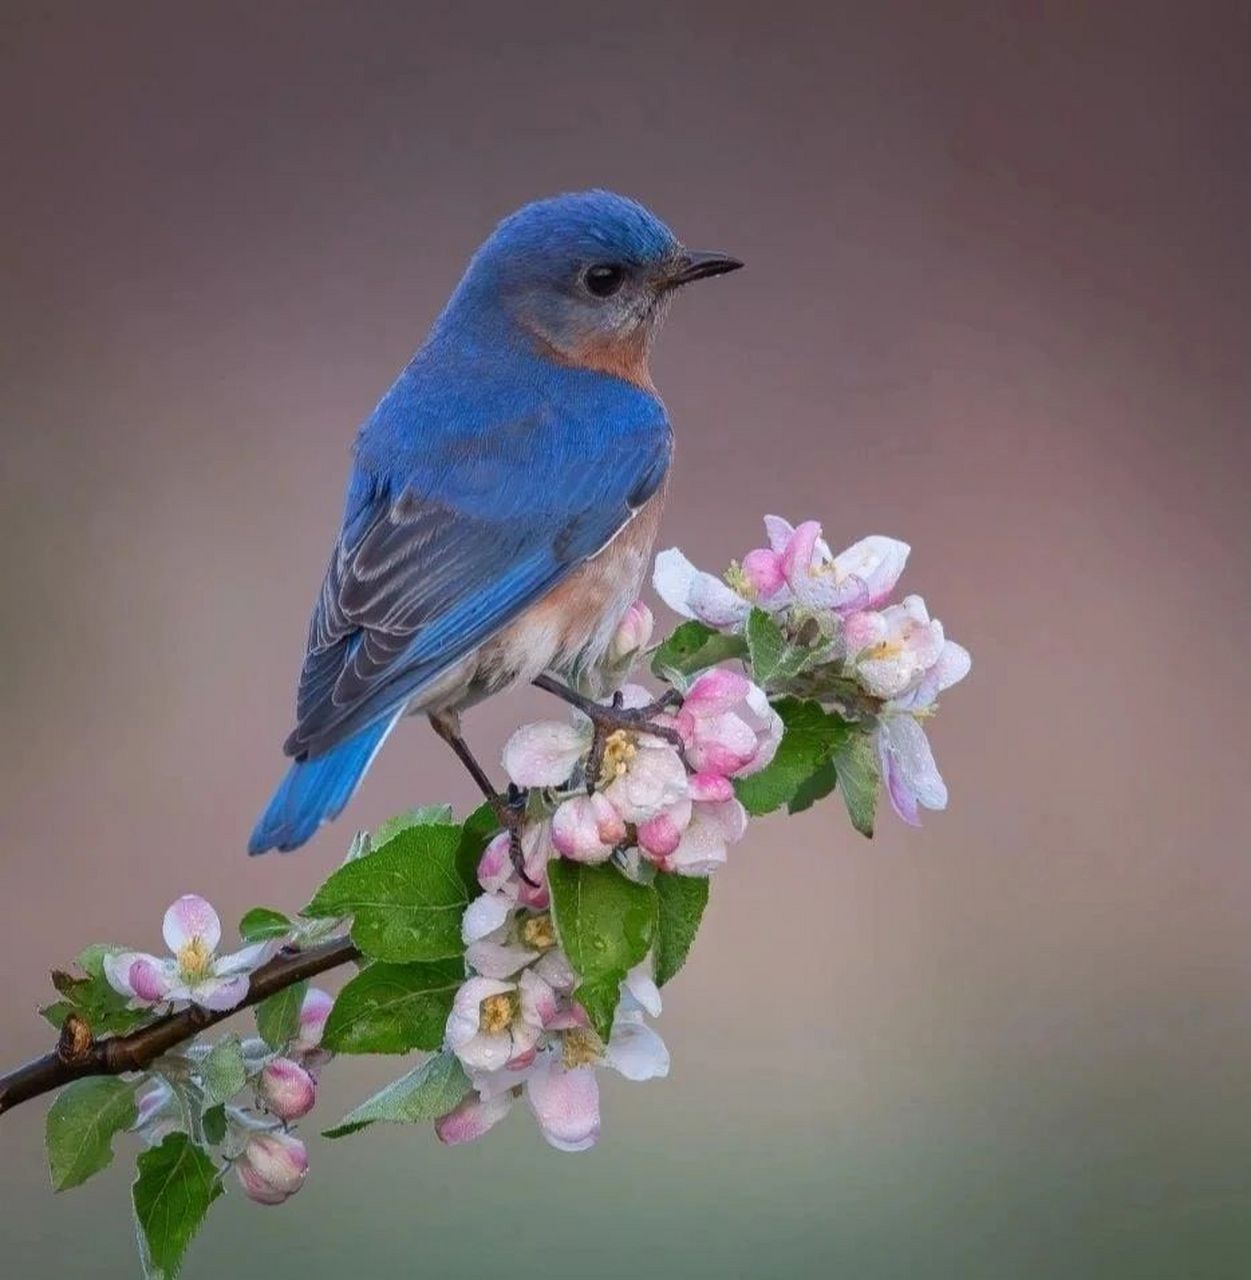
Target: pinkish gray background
<point>996,304</point>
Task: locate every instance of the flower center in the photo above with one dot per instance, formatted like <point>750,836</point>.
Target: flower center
<point>581,1048</point>
<point>884,649</point>
<point>538,933</point>
<point>195,960</point>
<point>737,580</point>
<point>619,750</point>
<point>495,1013</point>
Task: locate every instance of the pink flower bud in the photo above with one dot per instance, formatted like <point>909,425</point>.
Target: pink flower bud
<point>313,1014</point>
<point>633,632</point>
<point>287,1089</point>
<point>272,1167</point>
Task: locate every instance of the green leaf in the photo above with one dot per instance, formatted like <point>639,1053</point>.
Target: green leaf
<point>406,898</point>
<point>81,1124</point>
<point>426,1093</point>
<point>392,1008</point>
<point>808,743</point>
<point>606,925</point>
<point>818,786</point>
<point>91,997</point>
<point>213,1122</point>
<point>694,646</point>
<point>773,657</point>
<point>263,922</point>
<point>176,1184</point>
<point>278,1018</point>
<point>91,959</point>
<point>855,760</point>
<point>223,1072</point>
<point>682,901</point>
<point>421,816</point>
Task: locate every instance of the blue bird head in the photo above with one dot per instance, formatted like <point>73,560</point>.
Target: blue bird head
<point>588,276</point>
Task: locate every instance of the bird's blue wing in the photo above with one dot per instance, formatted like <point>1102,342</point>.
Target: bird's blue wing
<point>428,569</point>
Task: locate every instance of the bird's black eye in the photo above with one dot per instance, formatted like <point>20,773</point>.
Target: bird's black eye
<point>604,279</point>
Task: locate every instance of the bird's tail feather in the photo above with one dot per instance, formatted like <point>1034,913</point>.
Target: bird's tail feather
<point>315,791</point>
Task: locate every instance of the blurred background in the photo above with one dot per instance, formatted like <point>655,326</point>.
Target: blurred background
<point>996,305</point>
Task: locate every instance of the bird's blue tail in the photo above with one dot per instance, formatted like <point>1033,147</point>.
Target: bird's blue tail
<point>314,791</point>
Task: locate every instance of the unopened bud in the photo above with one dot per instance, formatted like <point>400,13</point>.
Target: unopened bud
<point>633,632</point>
<point>272,1167</point>
<point>287,1089</point>
<point>313,1014</point>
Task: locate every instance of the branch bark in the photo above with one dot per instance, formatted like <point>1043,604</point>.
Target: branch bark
<point>77,1054</point>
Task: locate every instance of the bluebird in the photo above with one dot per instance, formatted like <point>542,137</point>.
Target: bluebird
<point>503,499</point>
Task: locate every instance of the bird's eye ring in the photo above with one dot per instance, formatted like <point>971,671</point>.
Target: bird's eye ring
<point>604,279</point>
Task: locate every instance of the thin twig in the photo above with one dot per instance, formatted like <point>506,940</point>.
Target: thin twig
<point>77,1054</point>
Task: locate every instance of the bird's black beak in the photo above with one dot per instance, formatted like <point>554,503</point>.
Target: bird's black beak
<point>693,265</point>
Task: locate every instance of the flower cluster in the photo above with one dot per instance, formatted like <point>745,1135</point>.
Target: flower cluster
<point>658,804</point>
<point>896,655</point>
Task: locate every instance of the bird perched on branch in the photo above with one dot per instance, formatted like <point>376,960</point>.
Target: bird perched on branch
<point>504,495</point>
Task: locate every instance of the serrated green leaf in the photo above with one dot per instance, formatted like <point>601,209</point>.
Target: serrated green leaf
<point>859,775</point>
<point>426,1093</point>
<point>693,646</point>
<point>422,815</point>
<point>213,1122</point>
<point>810,737</point>
<point>261,923</point>
<point>81,1124</point>
<point>773,657</point>
<point>91,959</point>
<point>406,899</point>
<point>278,1017</point>
<point>606,925</point>
<point>682,900</point>
<point>223,1072</point>
<point>177,1183</point>
<point>393,1008</point>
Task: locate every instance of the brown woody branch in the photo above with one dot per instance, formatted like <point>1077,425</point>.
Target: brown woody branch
<point>79,1054</point>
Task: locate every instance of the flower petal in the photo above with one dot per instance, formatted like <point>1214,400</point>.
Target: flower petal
<point>486,913</point>
<point>220,993</point>
<point>565,1103</point>
<point>544,754</point>
<point>642,987</point>
<point>694,594</point>
<point>635,1050</point>
<point>190,918</point>
<point>492,959</point>
<point>246,959</point>
<point>472,1117</point>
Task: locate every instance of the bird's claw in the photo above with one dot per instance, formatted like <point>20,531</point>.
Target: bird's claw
<point>510,809</point>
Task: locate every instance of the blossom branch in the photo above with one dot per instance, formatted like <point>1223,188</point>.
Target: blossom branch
<point>77,1054</point>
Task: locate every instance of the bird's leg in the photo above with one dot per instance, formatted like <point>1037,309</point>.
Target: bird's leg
<point>510,808</point>
<point>608,718</point>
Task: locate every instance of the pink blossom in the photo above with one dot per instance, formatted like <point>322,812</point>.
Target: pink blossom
<point>727,724</point>
<point>705,837</point>
<point>798,568</point>
<point>272,1167</point>
<point>286,1089</point>
<point>695,594</point>
<point>645,774</point>
<point>495,1023</point>
<point>195,972</point>
<point>893,650</point>
<point>909,771</point>
<point>587,828</point>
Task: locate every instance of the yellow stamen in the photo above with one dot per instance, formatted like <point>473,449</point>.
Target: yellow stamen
<point>539,933</point>
<point>582,1048</point>
<point>496,1013</point>
<point>195,959</point>
<point>620,748</point>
